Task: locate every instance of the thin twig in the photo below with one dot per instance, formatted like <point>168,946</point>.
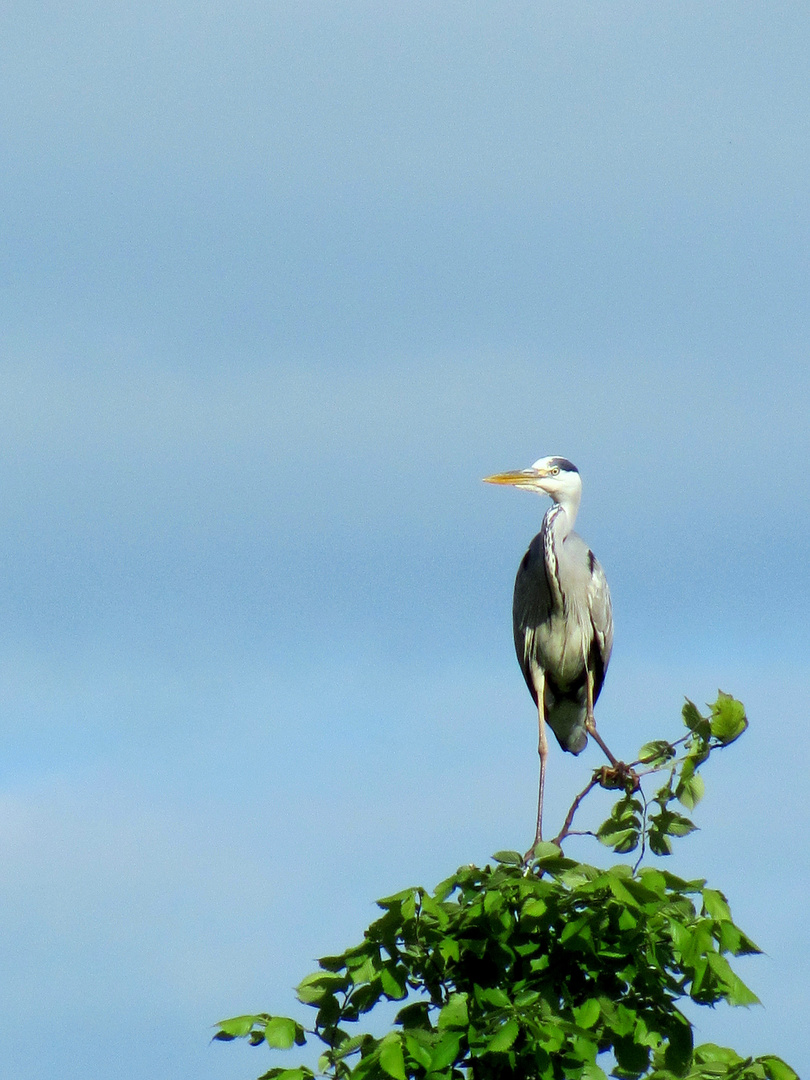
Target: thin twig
<point>565,830</point>
<point>647,760</point>
<point>643,830</point>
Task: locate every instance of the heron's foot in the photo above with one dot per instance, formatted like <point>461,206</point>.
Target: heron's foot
<point>618,777</point>
<point>590,727</point>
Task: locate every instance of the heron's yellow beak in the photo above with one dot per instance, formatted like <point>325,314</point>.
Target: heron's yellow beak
<point>518,479</point>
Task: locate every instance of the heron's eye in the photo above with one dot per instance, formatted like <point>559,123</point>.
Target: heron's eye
<point>554,470</point>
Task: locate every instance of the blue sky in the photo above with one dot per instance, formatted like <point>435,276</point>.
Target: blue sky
<point>280,283</point>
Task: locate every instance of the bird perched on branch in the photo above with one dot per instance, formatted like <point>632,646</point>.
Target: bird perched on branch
<point>561,617</point>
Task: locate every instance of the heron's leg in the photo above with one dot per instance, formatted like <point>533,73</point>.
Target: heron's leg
<point>590,722</point>
<point>542,750</point>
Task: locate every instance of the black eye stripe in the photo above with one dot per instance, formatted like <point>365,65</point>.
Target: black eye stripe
<point>564,464</point>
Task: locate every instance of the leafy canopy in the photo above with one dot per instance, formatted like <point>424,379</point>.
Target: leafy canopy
<point>553,970</point>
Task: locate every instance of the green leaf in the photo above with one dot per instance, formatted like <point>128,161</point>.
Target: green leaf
<point>588,1013</point>
<point>622,840</point>
<point>710,1053</point>
<point>577,934</point>
<point>454,1013</point>
<point>728,720</point>
<point>392,1059</point>
<point>445,888</point>
<point>414,1015</point>
<point>435,910</point>
<point>631,1057</point>
<point>504,1038</point>
<point>288,1074</point>
<point>622,829</point>
<point>363,969</point>
<point>715,905</point>
<point>622,893</point>
<point>591,1071</point>
<point>690,789</point>
<point>656,753</point>
<point>627,921</point>
<point>393,982</point>
<point>660,844</point>
<point>449,948</point>
<point>508,858</point>
<point>314,988</point>
<point>678,825</point>
<point>618,1018</point>
<point>397,898</point>
<point>545,850</point>
<point>777,1069</point>
<point>735,990</point>
<point>492,995</point>
<point>236,1027</point>
<point>332,963</point>
<point>678,1054</point>
<point>694,721</point>
<point>418,1050</point>
<point>526,997</point>
<point>352,1045</point>
<point>551,1037</point>
<point>280,1032</point>
<point>493,902</point>
<point>534,909</point>
<point>445,1051</point>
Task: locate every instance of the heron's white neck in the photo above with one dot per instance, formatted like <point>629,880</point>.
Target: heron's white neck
<point>560,517</point>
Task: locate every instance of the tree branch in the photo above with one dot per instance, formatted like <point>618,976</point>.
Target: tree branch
<point>566,829</point>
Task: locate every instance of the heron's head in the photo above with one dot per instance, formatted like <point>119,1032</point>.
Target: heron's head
<point>554,476</point>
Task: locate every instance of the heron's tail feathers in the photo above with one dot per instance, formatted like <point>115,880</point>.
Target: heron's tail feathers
<point>566,718</point>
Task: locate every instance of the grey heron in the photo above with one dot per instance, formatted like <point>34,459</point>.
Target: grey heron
<point>561,617</point>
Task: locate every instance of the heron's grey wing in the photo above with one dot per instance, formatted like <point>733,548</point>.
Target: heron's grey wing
<point>601,611</point>
<point>531,607</point>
